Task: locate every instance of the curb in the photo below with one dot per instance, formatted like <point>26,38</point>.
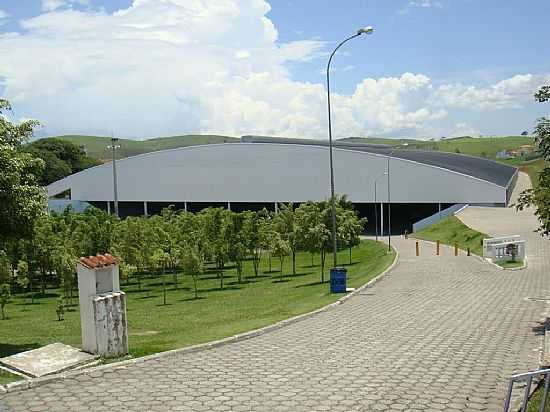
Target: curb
<point>501,268</point>
<point>36,382</point>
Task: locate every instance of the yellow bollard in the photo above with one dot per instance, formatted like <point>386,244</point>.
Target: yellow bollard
<point>456,249</point>
<point>437,250</point>
<point>417,249</point>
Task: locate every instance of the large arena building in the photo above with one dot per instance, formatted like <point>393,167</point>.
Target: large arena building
<point>261,172</point>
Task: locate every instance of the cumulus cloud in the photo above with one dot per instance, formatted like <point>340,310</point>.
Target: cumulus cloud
<point>510,93</point>
<point>190,66</point>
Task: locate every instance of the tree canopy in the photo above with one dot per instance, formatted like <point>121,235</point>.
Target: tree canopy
<point>61,158</point>
<point>539,196</point>
<point>22,200</point>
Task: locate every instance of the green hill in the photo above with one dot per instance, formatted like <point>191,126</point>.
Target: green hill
<point>476,146</point>
<point>96,146</point>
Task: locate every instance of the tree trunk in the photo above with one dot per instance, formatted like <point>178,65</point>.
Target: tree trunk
<point>3,313</point>
<point>43,282</point>
<point>221,278</point>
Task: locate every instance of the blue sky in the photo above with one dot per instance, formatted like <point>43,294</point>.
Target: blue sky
<point>160,67</point>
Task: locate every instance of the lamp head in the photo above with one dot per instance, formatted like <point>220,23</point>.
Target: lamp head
<point>365,30</point>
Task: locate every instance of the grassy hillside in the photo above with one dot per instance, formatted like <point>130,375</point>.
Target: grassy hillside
<point>96,146</point>
<point>480,146</point>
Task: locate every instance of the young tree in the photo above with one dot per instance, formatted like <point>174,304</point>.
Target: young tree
<point>24,277</point>
<point>215,237</point>
<point>4,298</point>
<point>60,308</point>
<point>281,249</point>
<point>539,196</point>
<point>192,265</point>
<point>314,233</point>
<point>160,260</point>
<point>287,226</point>
<point>267,234</point>
<point>253,238</point>
<point>237,249</point>
<point>350,228</point>
<point>45,241</point>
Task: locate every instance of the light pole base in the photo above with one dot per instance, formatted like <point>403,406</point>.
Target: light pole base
<point>338,280</point>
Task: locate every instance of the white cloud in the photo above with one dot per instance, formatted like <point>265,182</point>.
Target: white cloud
<point>51,5</point>
<point>510,93</point>
<point>423,4</point>
<point>187,66</point>
<point>3,17</point>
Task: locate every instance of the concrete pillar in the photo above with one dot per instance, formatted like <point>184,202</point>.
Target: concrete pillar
<point>185,206</point>
<point>276,207</point>
<point>145,211</point>
<point>439,211</point>
<point>108,208</point>
<point>228,205</point>
<point>102,307</point>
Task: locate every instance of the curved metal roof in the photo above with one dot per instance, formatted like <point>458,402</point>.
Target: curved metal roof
<point>484,169</point>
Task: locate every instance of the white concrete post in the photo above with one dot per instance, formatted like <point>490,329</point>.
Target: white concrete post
<point>145,211</point>
<point>102,306</point>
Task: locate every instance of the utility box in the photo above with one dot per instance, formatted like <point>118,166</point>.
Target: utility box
<point>102,306</point>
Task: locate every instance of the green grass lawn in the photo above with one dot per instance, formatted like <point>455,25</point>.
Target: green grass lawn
<point>451,230</point>
<point>6,377</point>
<point>153,327</point>
<point>508,264</point>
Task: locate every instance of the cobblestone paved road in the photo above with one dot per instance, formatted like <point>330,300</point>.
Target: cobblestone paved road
<point>437,333</point>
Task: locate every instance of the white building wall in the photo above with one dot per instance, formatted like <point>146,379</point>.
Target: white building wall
<point>264,172</point>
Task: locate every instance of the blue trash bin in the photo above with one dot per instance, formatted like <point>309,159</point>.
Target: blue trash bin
<point>338,280</point>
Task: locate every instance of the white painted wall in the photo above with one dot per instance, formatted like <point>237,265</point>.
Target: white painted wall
<point>248,172</point>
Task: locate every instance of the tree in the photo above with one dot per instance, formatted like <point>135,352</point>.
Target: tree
<point>253,237</point>
<point>5,267</point>
<point>45,241</point>
<point>4,298</point>
<point>350,228</point>
<point>539,196</point>
<point>24,277</point>
<point>281,249</point>
<point>22,200</point>
<point>61,158</point>
<point>287,226</point>
<point>161,259</point>
<point>314,233</point>
<point>237,248</point>
<point>60,308</point>
<point>192,265</point>
<point>215,237</point>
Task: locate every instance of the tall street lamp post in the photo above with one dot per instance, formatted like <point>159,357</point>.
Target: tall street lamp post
<point>364,30</point>
<point>114,146</point>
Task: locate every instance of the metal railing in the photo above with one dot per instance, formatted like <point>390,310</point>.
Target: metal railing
<point>528,377</point>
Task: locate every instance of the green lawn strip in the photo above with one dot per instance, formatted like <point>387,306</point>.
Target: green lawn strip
<point>257,302</point>
<point>536,398</point>
<point>6,377</point>
<point>451,230</point>
<point>510,264</point>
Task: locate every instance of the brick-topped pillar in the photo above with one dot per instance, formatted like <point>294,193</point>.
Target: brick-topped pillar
<point>102,306</point>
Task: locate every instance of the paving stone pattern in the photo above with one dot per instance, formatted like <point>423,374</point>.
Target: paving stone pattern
<point>437,333</point>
